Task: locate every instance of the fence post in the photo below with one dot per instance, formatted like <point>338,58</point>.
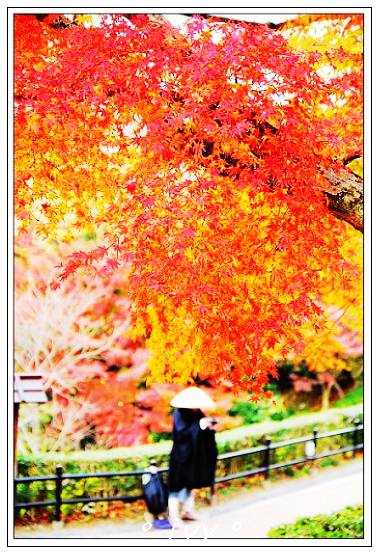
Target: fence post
<point>58,492</point>
<point>355,436</point>
<point>267,457</point>
<point>212,492</point>
<point>315,431</point>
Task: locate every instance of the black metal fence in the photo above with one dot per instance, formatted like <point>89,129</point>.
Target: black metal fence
<point>267,449</point>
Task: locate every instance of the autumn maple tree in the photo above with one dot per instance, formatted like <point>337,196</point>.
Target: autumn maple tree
<point>75,337</point>
<point>208,159</point>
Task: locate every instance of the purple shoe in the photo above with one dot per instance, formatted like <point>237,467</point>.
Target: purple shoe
<point>162,524</point>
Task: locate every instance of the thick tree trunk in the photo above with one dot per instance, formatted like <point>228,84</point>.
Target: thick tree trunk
<point>326,388</point>
<point>344,196</point>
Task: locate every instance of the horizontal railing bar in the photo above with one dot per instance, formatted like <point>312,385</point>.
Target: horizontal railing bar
<point>242,453</point>
<point>239,475</point>
<point>282,444</point>
<point>337,432</point>
<point>340,451</point>
<point>299,440</point>
<point>322,455</point>
<point>35,504</point>
<point>81,475</point>
<point>318,436</point>
<point>104,474</point>
<point>124,498</point>
<point>286,464</point>
<point>33,479</point>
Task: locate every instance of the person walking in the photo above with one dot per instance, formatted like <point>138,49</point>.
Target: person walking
<point>194,453</point>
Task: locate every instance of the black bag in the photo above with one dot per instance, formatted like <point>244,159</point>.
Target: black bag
<point>156,496</point>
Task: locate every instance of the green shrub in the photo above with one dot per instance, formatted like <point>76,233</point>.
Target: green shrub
<point>250,412</point>
<point>344,524</point>
<point>279,416</point>
<point>327,462</point>
<point>353,397</point>
<point>158,437</point>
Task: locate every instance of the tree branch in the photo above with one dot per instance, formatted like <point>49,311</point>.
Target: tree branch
<point>344,196</point>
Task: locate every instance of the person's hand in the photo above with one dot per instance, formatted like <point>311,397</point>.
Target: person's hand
<point>207,422</point>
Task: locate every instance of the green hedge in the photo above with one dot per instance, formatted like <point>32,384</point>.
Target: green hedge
<point>135,458</point>
<point>344,524</point>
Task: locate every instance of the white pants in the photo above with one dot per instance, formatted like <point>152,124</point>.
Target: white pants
<point>185,497</point>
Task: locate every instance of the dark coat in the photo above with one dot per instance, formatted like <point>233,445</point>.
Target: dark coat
<point>194,453</point>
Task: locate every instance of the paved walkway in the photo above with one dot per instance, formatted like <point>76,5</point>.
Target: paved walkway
<point>246,517</point>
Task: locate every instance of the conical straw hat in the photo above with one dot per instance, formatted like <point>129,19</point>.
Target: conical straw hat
<point>193,398</point>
